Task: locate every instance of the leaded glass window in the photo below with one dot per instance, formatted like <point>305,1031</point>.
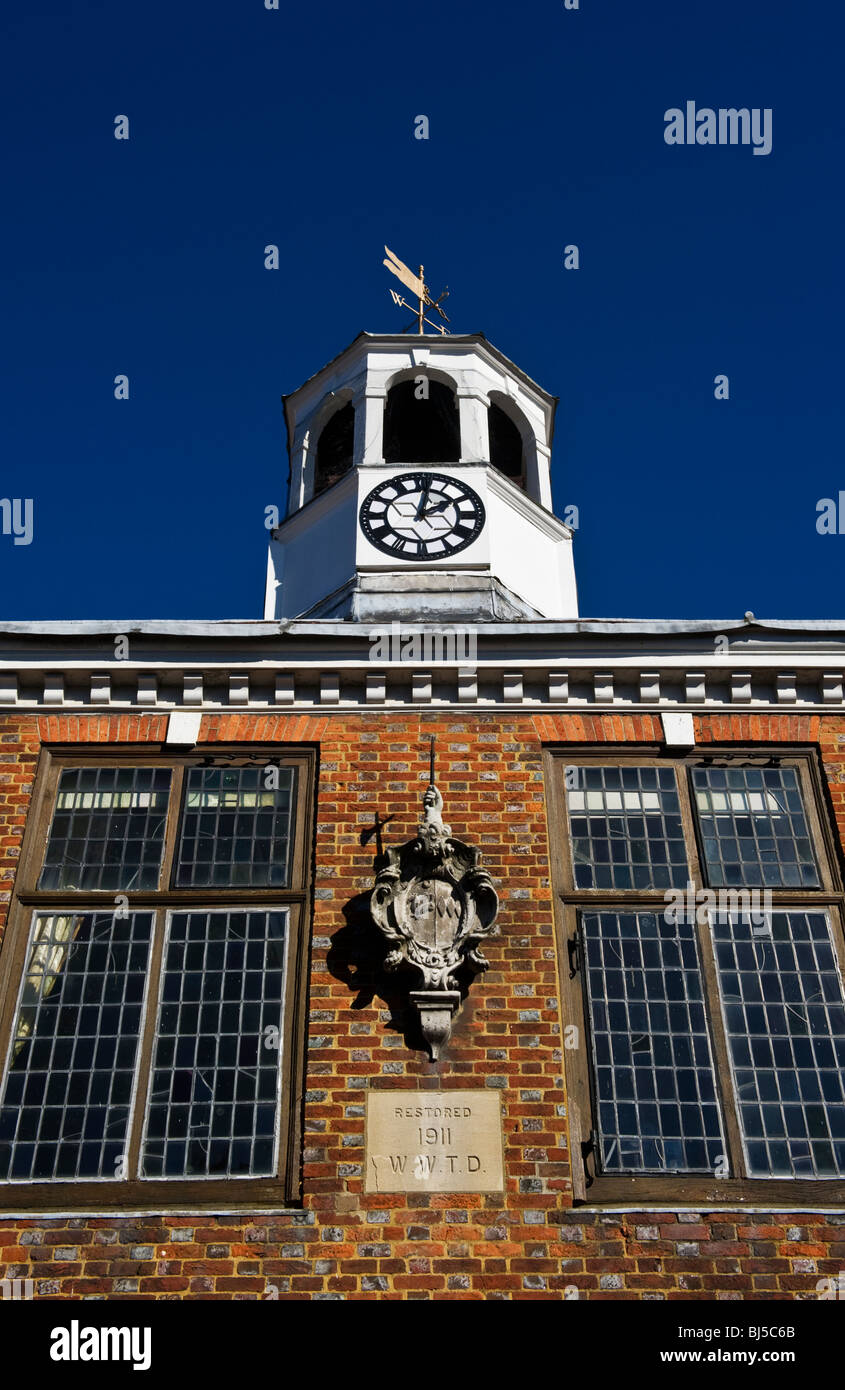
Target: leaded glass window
<point>215,1080</point>
<point>152,1034</point>
<point>655,1081</point>
<point>626,829</point>
<point>754,827</point>
<point>702,913</point>
<point>107,829</point>
<point>782,999</point>
<point>235,828</point>
<point>65,1107</point>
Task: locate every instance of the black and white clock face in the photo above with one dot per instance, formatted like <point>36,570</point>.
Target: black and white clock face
<point>422,516</point>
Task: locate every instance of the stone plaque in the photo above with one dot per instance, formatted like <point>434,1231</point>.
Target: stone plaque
<point>434,1141</point>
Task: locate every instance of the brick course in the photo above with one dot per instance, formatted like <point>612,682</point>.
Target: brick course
<point>531,1244</point>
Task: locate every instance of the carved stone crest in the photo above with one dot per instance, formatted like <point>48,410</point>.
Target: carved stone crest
<point>434,904</point>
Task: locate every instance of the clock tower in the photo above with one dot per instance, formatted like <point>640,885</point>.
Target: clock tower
<point>420,488</point>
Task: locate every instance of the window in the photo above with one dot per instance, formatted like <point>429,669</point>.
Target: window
<point>151,1010</point>
<point>700,910</point>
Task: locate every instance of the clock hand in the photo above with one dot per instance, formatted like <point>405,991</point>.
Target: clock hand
<point>423,500</point>
<point>438,507</point>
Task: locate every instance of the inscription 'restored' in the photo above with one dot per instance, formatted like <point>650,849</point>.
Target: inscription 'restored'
<point>434,1141</point>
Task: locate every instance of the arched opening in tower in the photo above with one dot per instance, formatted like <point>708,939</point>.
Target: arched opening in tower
<point>421,423</point>
<point>506,448</point>
<point>334,449</point>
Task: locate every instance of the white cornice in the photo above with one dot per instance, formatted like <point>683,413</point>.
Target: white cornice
<point>519,501</point>
<point>623,666</point>
<point>432,346</point>
<point>354,684</point>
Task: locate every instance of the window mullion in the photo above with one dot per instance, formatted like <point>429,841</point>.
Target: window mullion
<point>171,831</point>
<point>820,832</point>
<point>690,826</point>
<point>142,1074</point>
<point>719,1042</point>
<point>718,1037</point>
<point>580,1100</point>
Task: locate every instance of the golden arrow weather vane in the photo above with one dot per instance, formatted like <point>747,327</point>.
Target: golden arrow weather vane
<point>418,287</point>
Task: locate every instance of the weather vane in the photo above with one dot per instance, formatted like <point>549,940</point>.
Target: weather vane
<point>419,288</point>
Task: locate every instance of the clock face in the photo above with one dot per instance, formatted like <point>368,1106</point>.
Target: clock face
<point>422,516</point>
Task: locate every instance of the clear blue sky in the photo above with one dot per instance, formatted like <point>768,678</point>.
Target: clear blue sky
<point>250,127</point>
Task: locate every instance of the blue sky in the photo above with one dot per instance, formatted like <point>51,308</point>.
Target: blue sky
<point>295,127</point>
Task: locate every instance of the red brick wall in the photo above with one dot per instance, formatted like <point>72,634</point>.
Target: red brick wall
<point>342,1244</point>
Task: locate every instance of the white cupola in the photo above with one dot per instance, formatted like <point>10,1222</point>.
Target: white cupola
<point>420,489</point>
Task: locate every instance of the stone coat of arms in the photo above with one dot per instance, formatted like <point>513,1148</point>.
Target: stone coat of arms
<point>434,904</point>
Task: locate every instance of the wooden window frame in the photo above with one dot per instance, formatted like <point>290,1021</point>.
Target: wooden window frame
<point>160,1195</point>
<point>592,1187</point>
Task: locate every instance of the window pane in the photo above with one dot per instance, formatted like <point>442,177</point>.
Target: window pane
<point>626,829</point>
<point>782,1002</point>
<point>65,1111</point>
<point>753,827</point>
<point>235,828</point>
<point>214,1092</point>
<point>107,830</point>
<point>653,1066</point>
